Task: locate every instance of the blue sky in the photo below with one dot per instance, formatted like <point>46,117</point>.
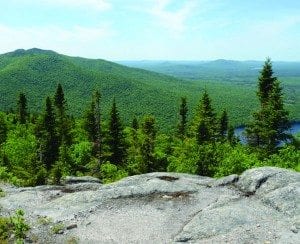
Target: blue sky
<point>154,29</point>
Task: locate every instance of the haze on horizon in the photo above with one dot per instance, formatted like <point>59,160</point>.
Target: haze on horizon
<point>154,29</point>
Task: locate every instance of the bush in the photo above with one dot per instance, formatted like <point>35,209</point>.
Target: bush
<point>111,173</point>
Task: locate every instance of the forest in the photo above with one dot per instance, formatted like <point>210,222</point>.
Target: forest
<point>37,72</point>
<point>41,148</point>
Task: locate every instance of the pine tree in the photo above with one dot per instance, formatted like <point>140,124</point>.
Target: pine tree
<point>183,118</point>
<point>47,134</point>
<point>223,124</point>
<point>135,124</point>
<point>92,123</point>
<point>270,122</point>
<point>205,121</point>
<point>22,109</point>
<point>63,120</point>
<point>116,137</point>
<point>230,136</point>
<point>265,82</point>
<point>148,145</point>
<point>3,129</point>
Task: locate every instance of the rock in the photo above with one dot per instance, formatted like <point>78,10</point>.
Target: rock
<point>83,179</point>
<point>260,206</point>
<point>71,226</point>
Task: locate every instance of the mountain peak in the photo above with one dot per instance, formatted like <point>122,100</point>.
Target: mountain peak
<point>21,52</point>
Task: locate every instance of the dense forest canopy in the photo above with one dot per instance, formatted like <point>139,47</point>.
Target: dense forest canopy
<point>36,73</point>
<point>40,148</point>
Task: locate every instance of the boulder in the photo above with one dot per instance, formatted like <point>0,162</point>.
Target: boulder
<point>260,206</point>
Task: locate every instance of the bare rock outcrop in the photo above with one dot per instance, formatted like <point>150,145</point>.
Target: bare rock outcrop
<point>260,206</point>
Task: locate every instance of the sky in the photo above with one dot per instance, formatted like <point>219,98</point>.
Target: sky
<point>154,29</point>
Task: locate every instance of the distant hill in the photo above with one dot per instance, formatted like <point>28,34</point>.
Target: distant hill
<point>220,69</point>
<point>138,92</point>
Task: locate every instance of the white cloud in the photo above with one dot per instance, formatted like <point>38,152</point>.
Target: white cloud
<point>174,21</point>
<point>98,5</point>
<point>77,40</point>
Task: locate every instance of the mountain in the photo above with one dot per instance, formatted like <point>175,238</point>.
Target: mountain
<point>37,73</point>
<point>138,92</point>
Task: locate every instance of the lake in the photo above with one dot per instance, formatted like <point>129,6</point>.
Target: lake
<point>295,129</point>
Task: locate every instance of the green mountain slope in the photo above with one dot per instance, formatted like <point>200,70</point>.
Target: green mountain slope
<point>138,92</point>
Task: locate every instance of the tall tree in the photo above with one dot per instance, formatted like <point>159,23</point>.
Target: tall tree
<point>183,118</point>
<point>148,144</point>
<point>22,108</point>
<point>3,129</point>
<point>116,137</point>
<point>270,123</point>
<point>135,124</point>
<point>205,121</point>
<point>63,120</point>
<point>92,124</point>
<point>223,124</point>
<point>265,82</point>
<point>47,134</point>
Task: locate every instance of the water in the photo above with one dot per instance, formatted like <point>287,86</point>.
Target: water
<point>239,131</point>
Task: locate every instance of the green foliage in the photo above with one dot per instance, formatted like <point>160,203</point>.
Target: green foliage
<point>2,193</point>
<point>182,126</point>
<point>111,172</point>
<point>6,229</point>
<point>22,109</point>
<point>19,224</point>
<point>57,228</point>
<point>185,157</point>
<point>14,225</point>
<point>270,122</point>
<point>3,129</point>
<point>37,72</point>
<point>287,157</point>
<point>235,161</point>
<point>54,144</point>
<point>116,137</point>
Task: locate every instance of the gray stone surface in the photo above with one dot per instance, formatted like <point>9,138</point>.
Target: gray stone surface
<point>260,206</point>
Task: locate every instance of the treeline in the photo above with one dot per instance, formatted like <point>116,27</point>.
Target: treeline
<point>41,149</point>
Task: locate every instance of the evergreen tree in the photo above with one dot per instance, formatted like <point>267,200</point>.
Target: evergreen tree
<point>223,124</point>
<point>116,137</point>
<point>3,129</point>
<point>183,118</point>
<point>148,145</point>
<point>205,121</point>
<point>230,136</point>
<point>265,82</point>
<point>22,108</point>
<point>135,124</point>
<point>47,133</point>
<point>63,120</point>
<point>270,122</point>
<point>92,124</point>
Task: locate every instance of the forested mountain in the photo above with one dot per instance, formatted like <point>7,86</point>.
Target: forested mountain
<point>138,92</point>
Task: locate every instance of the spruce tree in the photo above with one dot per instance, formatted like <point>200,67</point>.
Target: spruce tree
<point>270,123</point>
<point>148,144</point>
<point>265,82</point>
<point>183,118</point>
<point>92,124</point>
<point>205,122</point>
<point>223,126</point>
<point>116,137</point>
<point>47,134</point>
<point>135,124</point>
<point>63,120</point>
<point>3,129</point>
<point>22,109</point>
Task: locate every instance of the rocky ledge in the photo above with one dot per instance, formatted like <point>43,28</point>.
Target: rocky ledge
<point>260,206</point>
